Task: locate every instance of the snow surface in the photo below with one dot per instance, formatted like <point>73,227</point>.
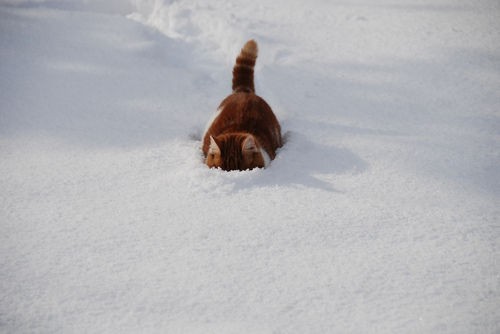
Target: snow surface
<point>379,215</point>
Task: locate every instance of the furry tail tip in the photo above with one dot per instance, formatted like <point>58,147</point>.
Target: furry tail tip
<point>250,49</point>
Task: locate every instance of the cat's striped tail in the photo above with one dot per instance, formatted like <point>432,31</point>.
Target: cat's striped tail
<point>243,68</point>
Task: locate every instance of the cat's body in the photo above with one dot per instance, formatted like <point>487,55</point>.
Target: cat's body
<point>245,133</point>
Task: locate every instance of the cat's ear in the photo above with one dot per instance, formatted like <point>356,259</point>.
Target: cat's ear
<point>213,148</point>
<point>249,144</point>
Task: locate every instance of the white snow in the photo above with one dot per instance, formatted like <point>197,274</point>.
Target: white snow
<point>379,215</point>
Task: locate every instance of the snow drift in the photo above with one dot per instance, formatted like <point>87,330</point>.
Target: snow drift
<point>380,214</point>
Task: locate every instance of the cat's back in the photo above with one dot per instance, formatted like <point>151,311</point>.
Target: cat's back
<point>249,113</point>
<point>245,106</point>
<point>246,112</point>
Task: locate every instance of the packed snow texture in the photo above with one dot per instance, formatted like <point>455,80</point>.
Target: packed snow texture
<point>379,215</point>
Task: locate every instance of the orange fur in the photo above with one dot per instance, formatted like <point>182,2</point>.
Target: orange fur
<point>243,68</point>
<point>246,131</point>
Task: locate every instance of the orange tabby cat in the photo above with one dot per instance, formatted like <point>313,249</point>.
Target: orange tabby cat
<point>245,133</point>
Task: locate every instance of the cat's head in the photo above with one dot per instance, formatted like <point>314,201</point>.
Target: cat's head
<point>235,152</point>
